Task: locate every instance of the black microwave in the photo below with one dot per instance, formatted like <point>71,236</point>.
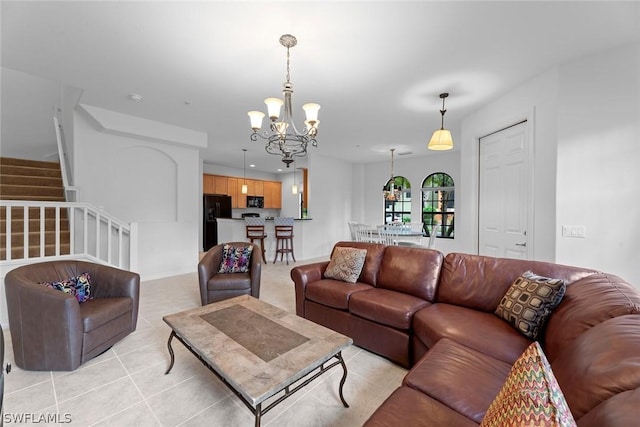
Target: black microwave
<point>255,202</point>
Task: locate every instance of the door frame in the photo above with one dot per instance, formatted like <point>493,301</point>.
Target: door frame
<point>492,127</point>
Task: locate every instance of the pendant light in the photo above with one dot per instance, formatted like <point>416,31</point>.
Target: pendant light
<point>441,139</point>
<point>244,189</point>
<point>393,192</point>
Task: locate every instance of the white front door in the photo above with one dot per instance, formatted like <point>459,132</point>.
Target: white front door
<point>504,193</point>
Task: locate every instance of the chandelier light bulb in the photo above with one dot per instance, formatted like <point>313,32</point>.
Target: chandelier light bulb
<point>256,120</point>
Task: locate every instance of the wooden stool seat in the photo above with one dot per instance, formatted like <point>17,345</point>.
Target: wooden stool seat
<point>284,238</point>
<point>255,231</point>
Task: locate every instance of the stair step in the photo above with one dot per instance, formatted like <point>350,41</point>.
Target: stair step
<point>34,251</point>
<point>36,198</point>
<point>12,161</point>
<point>41,181</point>
<point>29,190</point>
<point>30,171</point>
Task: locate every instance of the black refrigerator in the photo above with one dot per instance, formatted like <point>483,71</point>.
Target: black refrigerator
<point>215,206</point>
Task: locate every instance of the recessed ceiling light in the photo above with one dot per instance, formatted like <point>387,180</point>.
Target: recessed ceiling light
<point>252,166</point>
<point>135,97</point>
<point>279,170</point>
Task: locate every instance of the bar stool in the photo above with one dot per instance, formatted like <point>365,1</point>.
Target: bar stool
<point>254,227</point>
<point>284,237</point>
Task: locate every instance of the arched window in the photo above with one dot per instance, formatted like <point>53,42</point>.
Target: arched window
<point>397,204</point>
<point>438,205</point>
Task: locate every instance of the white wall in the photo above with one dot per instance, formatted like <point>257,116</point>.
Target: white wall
<point>586,136</point>
<point>156,184</point>
<point>598,177</point>
<point>330,194</point>
<point>536,101</point>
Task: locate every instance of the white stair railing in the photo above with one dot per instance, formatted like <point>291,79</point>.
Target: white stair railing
<point>93,234</point>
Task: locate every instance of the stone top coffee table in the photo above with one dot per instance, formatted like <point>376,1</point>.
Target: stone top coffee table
<point>257,349</point>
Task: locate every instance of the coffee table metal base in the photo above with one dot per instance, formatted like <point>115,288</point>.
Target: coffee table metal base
<point>258,410</point>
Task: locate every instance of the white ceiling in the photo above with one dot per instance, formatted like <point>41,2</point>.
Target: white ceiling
<point>375,67</point>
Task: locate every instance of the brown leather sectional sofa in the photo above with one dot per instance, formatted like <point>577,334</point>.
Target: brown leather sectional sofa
<point>435,315</point>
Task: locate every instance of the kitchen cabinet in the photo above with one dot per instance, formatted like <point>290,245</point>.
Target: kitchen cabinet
<point>221,184</point>
<point>232,186</point>
<point>238,200</point>
<point>207,184</point>
<point>272,194</point>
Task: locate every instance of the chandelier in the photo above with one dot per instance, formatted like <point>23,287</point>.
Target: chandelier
<point>441,139</point>
<point>283,138</point>
<point>391,191</point>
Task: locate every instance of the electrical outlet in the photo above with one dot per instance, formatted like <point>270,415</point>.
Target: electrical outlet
<point>578,231</point>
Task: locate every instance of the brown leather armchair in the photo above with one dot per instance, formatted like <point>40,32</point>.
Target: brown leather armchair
<point>216,286</point>
<point>51,331</point>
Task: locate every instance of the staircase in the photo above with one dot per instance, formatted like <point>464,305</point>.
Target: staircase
<point>31,180</point>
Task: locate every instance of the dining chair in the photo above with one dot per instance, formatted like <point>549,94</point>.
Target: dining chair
<point>389,234</point>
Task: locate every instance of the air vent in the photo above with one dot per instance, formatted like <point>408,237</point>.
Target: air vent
<point>404,153</point>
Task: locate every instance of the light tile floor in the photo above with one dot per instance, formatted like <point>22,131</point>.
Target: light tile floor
<point>126,386</point>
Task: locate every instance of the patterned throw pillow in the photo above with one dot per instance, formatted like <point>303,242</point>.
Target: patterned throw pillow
<point>235,259</point>
<point>529,301</point>
<point>79,286</point>
<point>346,264</point>
<point>530,396</point>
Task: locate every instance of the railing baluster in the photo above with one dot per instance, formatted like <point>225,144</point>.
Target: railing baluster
<point>120,247</point>
<point>57,230</point>
<point>85,226</point>
<point>42,227</point>
<point>71,212</point>
<point>98,219</point>
<point>8,241</point>
<point>109,241</point>
<point>25,232</point>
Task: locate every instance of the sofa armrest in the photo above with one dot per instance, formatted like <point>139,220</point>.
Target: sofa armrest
<point>303,275</point>
<point>46,325</point>
<point>207,268</point>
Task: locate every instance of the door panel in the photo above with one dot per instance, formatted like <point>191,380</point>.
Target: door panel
<point>504,193</point>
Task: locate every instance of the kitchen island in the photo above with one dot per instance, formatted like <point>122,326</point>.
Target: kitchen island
<point>233,230</point>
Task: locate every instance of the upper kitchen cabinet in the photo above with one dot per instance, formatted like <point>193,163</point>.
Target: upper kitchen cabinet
<point>272,194</point>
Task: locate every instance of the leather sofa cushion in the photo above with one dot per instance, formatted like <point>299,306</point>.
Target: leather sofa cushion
<point>621,410</point>
<point>465,379</point>
<point>600,363</point>
<point>228,281</point>
<point>484,332</point>
<point>369,273</point>
<point>389,308</point>
<point>334,293</point>
<point>587,303</point>
<point>410,270</point>
<point>98,311</point>
<point>408,407</point>
<point>480,282</point>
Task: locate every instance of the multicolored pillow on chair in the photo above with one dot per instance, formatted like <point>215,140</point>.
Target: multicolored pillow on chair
<point>530,396</point>
<point>235,259</point>
<point>79,286</point>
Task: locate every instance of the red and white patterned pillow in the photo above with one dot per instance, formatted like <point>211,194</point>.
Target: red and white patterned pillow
<point>530,396</point>
<point>346,264</point>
